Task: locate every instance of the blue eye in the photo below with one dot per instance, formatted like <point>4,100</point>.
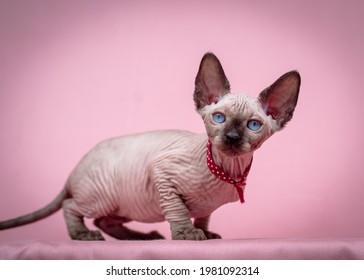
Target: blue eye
<point>218,118</point>
<point>254,125</point>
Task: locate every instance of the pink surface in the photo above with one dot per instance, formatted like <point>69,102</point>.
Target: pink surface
<point>73,73</point>
<point>250,249</point>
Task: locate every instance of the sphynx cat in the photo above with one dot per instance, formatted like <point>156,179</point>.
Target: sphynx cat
<point>173,175</point>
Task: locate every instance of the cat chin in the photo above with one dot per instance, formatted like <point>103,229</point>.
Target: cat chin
<point>234,151</point>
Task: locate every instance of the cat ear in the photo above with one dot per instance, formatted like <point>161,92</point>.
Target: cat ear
<point>211,83</point>
<point>280,99</point>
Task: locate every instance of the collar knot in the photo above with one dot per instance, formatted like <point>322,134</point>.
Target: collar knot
<point>222,175</point>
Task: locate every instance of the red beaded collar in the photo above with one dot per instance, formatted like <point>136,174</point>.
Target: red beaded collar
<point>222,175</point>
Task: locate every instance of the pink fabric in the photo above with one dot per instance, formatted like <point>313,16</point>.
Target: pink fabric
<point>261,249</point>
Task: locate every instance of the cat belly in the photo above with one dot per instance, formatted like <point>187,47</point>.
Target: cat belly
<point>139,202</point>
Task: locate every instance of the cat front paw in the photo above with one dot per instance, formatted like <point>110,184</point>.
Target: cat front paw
<point>188,233</point>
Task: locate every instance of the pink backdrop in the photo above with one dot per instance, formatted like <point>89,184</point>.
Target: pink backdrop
<point>73,73</point>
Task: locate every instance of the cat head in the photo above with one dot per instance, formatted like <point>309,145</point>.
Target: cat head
<point>238,123</point>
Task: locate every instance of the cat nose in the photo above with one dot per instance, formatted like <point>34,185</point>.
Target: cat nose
<point>232,137</point>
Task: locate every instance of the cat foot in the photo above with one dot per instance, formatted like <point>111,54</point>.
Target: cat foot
<point>188,233</point>
<point>212,235</point>
<point>154,235</point>
<point>88,236</point>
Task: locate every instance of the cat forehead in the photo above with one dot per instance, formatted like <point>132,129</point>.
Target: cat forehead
<point>235,103</point>
<point>239,101</point>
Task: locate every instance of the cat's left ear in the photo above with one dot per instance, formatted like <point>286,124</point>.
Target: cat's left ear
<point>280,99</point>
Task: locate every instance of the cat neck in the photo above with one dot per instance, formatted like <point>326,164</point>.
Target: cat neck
<point>234,166</point>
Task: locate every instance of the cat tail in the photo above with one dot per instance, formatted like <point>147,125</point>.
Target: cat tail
<point>42,213</point>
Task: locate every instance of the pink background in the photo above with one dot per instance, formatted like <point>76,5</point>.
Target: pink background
<point>73,73</point>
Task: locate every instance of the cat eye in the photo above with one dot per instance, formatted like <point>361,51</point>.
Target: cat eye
<point>254,125</point>
<point>218,118</point>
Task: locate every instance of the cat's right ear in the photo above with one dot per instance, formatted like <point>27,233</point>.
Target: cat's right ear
<point>211,83</point>
<point>280,99</point>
